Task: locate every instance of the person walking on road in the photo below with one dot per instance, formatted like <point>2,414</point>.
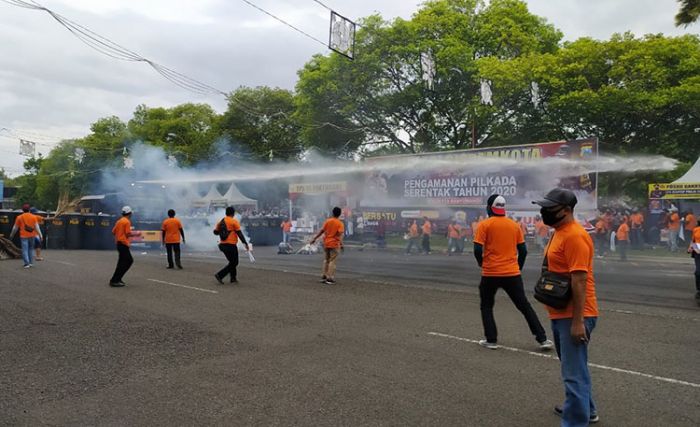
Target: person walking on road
<point>286,227</point>
<point>122,232</point>
<point>570,253</point>
<point>412,237</point>
<point>29,229</point>
<point>172,231</point>
<point>623,240</point>
<point>694,250</point>
<point>38,241</point>
<point>690,223</point>
<point>452,237</point>
<point>637,222</point>
<point>500,251</point>
<point>674,228</point>
<point>333,230</point>
<point>427,229</point>
<point>229,232</point>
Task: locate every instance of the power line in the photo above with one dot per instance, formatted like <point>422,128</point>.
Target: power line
<point>316,1</point>
<point>285,22</point>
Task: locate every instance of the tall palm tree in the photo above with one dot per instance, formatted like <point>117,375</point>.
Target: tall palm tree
<point>689,12</point>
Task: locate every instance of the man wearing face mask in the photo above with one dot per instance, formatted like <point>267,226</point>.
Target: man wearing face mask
<point>570,252</point>
<point>500,251</point>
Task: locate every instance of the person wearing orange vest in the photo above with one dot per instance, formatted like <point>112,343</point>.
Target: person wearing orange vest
<point>570,253</point>
<point>122,232</point>
<point>228,244</point>
<point>500,251</point>
<point>171,230</point>
<point>674,228</point>
<point>29,229</point>
<point>694,250</point>
<point>37,239</point>
<point>623,240</point>
<point>412,237</point>
<point>427,230</point>
<point>286,227</point>
<point>452,237</point>
<point>690,223</point>
<point>333,229</point>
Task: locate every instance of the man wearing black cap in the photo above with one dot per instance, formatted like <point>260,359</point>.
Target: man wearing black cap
<point>570,253</point>
<point>500,251</point>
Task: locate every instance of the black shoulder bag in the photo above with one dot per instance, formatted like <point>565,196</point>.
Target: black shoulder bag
<point>222,230</point>
<point>553,289</point>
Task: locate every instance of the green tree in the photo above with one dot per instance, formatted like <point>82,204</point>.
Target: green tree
<point>186,131</point>
<point>260,124</point>
<point>688,13</point>
<point>382,91</point>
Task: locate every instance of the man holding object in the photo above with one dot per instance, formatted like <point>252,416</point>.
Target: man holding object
<point>570,252</point>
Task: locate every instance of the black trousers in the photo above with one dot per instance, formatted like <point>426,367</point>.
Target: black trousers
<point>231,253</point>
<point>123,264</point>
<point>514,288</point>
<point>170,248</point>
<point>426,243</point>
<point>697,272</point>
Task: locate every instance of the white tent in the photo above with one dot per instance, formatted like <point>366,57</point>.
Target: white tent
<point>234,197</point>
<point>212,198</point>
<point>692,176</point>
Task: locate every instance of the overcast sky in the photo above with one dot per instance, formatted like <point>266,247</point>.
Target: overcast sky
<point>52,86</point>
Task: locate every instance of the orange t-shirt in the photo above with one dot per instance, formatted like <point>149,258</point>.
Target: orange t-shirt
<point>637,220</point>
<point>674,222</point>
<point>27,219</point>
<point>171,227</point>
<point>696,235</point>
<point>453,231</point>
<point>500,237</point>
<point>121,231</point>
<point>570,250</point>
<point>623,232</point>
<point>427,228</point>
<point>690,222</point>
<point>333,230</point>
<point>542,229</point>
<point>413,230</point>
<point>475,227</point>
<point>286,226</point>
<point>232,225</point>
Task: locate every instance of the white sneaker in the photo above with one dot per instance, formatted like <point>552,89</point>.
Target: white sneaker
<point>28,266</point>
<point>489,345</point>
<point>546,345</point>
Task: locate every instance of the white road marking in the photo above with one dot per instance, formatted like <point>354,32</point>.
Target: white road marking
<point>184,286</point>
<point>60,262</point>
<point>593,365</point>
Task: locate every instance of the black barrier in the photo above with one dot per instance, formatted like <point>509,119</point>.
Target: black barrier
<point>89,234</point>
<point>73,231</point>
<point>105,223</point>
<point>7,220</point>
<point>55,232</point>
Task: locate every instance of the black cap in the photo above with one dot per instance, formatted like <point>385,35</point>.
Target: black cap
<point>557,197</point>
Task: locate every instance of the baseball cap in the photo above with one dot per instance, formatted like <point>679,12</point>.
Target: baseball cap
<point>498,205</point>
<point>126,210</point>
<point>33,210</point>
<point>557,197</point>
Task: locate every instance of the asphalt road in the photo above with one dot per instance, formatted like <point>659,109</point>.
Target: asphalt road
<point>392,344</point>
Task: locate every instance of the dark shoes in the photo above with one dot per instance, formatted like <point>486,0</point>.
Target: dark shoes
<point>594,418</point>
<point>117,284</point>
<point>179,267</point>
<point>218,279</point>
<point>170,267</point>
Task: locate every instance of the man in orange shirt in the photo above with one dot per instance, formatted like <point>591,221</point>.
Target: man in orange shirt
<point>623,240</point>
<point>29,229</point>
<point>500,251</point>
<point>690,223</point>
<point>333,229</point>
<point>229,232</point>
<point>286,227</point>
<point>541,232</point>
<point>452,237</point>
<point>172,230</point>
<point>412,237</point>
<point>570,252</point>
<point>427,229</point>
<point>37,239</point>
<point>694,250</point>
<point>637,223</point>
<point>674,228</point>
<point>122,232</point>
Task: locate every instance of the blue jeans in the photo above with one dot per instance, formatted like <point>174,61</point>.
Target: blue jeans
<point>579,404</point>
<point>27,250</point>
